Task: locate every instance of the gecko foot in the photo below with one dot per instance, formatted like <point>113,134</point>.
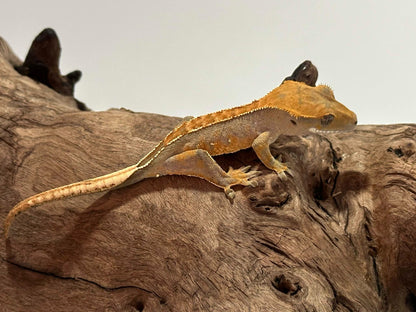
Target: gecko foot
<point>281,168</point>
<point>241,176</point>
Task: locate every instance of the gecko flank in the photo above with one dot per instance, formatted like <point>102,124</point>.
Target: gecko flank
<point>292,108</point>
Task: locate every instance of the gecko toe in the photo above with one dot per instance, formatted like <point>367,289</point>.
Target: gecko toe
<point>289,172</point>
<point>245,169</point>
<point>282,175</point>
<point>253,173</point>
<point>229,192</point>
<point>240,171</point>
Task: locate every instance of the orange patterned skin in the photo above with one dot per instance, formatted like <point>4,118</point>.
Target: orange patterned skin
<point>292,108</point>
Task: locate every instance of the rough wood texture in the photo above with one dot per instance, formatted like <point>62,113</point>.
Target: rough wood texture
<point>337,236</point>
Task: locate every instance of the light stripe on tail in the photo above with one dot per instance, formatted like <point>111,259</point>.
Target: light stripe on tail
<point>95,185</point>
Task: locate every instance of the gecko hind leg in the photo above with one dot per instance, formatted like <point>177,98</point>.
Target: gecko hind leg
<point>199,163</point>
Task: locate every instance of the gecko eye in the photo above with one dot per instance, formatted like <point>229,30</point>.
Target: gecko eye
<point>327,119</point>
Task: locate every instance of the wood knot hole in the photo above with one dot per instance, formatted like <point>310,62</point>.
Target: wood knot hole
<point>139,306</point>
<point>398,151</point>
<point>285,285</point>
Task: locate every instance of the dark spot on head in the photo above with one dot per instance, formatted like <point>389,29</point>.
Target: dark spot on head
<point>327,119</point>
<point>293,122</point>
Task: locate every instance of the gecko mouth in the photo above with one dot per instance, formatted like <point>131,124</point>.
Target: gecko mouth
<point>329,131</point>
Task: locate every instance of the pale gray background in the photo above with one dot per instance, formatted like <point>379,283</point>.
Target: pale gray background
<point>190,57</point>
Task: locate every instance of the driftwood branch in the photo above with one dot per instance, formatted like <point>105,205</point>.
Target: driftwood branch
<point>336,236</point>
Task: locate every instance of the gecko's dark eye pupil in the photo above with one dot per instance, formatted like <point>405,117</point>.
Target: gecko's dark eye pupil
<point>327,119</point>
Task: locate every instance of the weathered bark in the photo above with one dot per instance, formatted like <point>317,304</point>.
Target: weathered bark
<point>337,235</point>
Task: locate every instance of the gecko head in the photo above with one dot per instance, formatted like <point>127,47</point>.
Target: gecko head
<point>317,105</point>
<point>332,114</point>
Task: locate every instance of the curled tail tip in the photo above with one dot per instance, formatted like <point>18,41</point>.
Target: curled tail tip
<point>16,210</point>
<point>6,232</point>
<point>7,223</point>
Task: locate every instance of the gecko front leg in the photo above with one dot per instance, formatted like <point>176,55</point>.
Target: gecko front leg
<point>261,146</point>
<point>199,163</point>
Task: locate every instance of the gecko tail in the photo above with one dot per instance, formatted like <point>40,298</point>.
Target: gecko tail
<point>95,185</point>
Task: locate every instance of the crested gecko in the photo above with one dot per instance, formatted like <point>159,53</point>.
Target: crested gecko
<point>292,108</point>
